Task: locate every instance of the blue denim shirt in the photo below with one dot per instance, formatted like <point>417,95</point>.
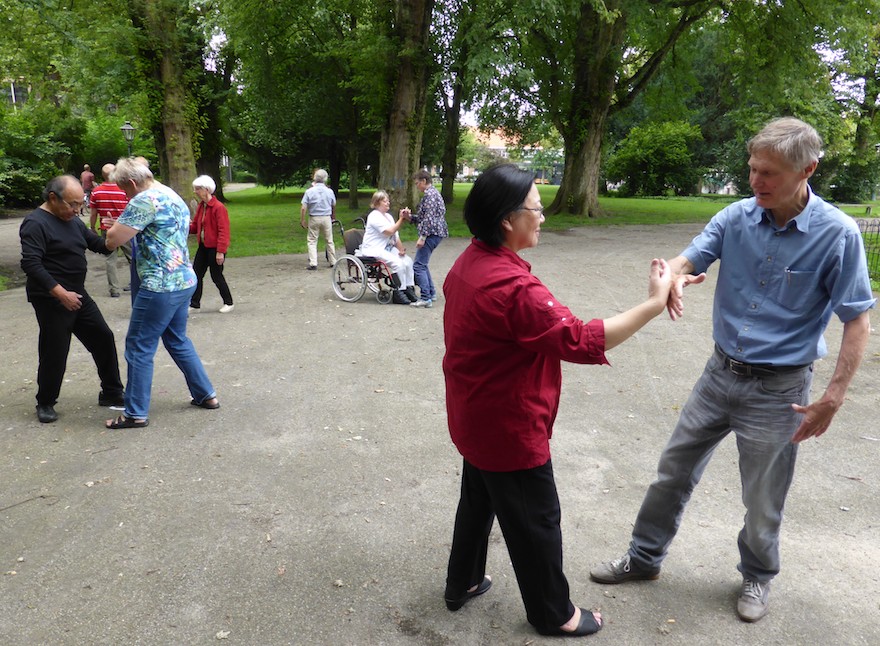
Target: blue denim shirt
<point>777,287</point>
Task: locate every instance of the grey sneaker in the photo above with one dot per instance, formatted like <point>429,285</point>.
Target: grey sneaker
<point>421,303</point>
<point>754,600</point>
<point>621,570</point>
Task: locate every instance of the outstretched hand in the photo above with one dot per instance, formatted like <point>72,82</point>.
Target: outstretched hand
<point>675,304</point>
<point>659,280</point>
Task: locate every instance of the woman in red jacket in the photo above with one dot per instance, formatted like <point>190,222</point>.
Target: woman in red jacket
<point>211,226</point>
<point>506,337</point>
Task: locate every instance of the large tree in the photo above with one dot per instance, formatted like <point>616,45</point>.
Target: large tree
<point>401,143</point>
<point>468,44</point>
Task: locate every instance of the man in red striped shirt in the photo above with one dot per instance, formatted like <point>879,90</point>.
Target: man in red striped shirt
<point>107,203</point>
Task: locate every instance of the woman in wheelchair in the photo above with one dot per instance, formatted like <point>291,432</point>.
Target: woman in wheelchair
<point>382,241</point>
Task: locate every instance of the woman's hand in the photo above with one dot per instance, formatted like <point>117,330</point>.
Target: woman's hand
<point>220,257</point>
<point>659,283</point>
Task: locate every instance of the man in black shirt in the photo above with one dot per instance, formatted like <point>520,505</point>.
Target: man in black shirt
<point>53,245</point>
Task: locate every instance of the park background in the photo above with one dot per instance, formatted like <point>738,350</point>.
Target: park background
<point>604,99</point>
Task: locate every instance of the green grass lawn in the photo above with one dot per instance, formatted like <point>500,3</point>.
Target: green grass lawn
<point>266,222</point>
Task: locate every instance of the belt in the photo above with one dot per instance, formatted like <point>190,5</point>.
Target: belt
<point>756,370</point>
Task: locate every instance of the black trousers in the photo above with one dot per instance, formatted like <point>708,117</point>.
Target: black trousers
<point>204,260</point>
<point>56,327</point>
<point>527,507</point>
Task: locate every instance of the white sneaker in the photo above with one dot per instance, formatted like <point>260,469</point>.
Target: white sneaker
<point>421,303</point>
<point>226,309</point>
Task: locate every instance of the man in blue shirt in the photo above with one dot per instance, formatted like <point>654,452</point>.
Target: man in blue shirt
<point>319,203</point>
<point>789,260</point>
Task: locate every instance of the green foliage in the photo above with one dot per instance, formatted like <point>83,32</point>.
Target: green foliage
<point>657,158</point>
<point>29,157</point>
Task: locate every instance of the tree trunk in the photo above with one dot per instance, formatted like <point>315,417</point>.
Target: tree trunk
<point>352,161</point>
<point>449,159</point>
<point>401,143</point>
<point>163,50</point>
<point>178,154</point>
<point>598,55</point>
<point>600,86</point>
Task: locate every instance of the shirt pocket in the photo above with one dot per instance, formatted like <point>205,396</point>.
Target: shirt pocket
<point>799,289</point>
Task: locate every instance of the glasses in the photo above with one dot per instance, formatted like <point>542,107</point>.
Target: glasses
<point>73,205</point>
<point>539,209</point>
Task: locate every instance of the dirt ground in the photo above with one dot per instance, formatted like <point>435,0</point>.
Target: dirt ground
<point>316,506</point>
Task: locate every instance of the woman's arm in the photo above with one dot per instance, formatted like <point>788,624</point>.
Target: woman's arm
<point>119,234</point>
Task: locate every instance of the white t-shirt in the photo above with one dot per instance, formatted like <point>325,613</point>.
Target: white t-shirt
<point>375,239</point>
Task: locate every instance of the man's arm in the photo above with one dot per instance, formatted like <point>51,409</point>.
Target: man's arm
<point>93,217</point>
<point>818,415</point>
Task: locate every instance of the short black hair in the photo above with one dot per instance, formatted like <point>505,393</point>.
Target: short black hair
<point>57,185</point>
<point>499,191</point>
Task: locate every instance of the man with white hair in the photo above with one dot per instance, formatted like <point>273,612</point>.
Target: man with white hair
<point>319,203</point>
<point>789,260</point>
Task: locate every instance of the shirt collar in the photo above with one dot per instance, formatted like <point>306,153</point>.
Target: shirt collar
<point>801,221</point>
<point>503,253</point>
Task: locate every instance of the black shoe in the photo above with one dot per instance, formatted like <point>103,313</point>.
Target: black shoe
<point>456,604</point>
<point>312,267</point>
<point>111,400</point>
<point>399,297</point>
<point>127,288</point>
<point>411,294</point>
<point>46,414</point>
<point>586,626</point>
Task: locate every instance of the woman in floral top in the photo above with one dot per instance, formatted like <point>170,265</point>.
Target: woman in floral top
<point>160,220</point>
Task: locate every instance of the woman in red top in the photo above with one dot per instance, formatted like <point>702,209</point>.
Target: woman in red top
<point>506,336</point>
<point>211,226</point>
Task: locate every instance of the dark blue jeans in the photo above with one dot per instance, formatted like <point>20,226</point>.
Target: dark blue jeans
<point>156,315</point>
<point>421,271</point>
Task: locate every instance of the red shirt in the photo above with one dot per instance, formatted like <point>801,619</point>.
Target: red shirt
<point>506,336</point>
<point>87,179</point>
<point>110,201</point>
<point>211,225</point>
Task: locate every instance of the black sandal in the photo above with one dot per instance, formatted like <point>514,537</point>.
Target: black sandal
<point>207,403</point>
<point>586,626</point>
<point>126,422</point>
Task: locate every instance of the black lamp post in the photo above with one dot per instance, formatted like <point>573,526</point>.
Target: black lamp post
<point>128,133</point>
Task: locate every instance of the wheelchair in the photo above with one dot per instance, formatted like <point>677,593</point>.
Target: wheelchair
<point>352,275</point>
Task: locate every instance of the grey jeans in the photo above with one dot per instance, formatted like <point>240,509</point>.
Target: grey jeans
<point>758,411</point>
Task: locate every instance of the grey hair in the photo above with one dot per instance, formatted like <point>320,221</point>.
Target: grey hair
<point>205,181</point>
<point>130,170</point>
<point>378,196</point>
<point>320,176</point>
<point>795,141</point>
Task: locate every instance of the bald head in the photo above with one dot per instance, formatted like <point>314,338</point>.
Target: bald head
<point>107,171</point>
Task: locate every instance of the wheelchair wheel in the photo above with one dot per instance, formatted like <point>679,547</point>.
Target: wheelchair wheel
<point>384,296</point>
<point>349,278</point>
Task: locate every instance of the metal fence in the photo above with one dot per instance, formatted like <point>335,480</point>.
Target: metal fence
<point>871,233</point>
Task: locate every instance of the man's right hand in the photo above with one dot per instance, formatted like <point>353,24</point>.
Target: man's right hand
<point>675,303</point>
<point>70,300</point>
